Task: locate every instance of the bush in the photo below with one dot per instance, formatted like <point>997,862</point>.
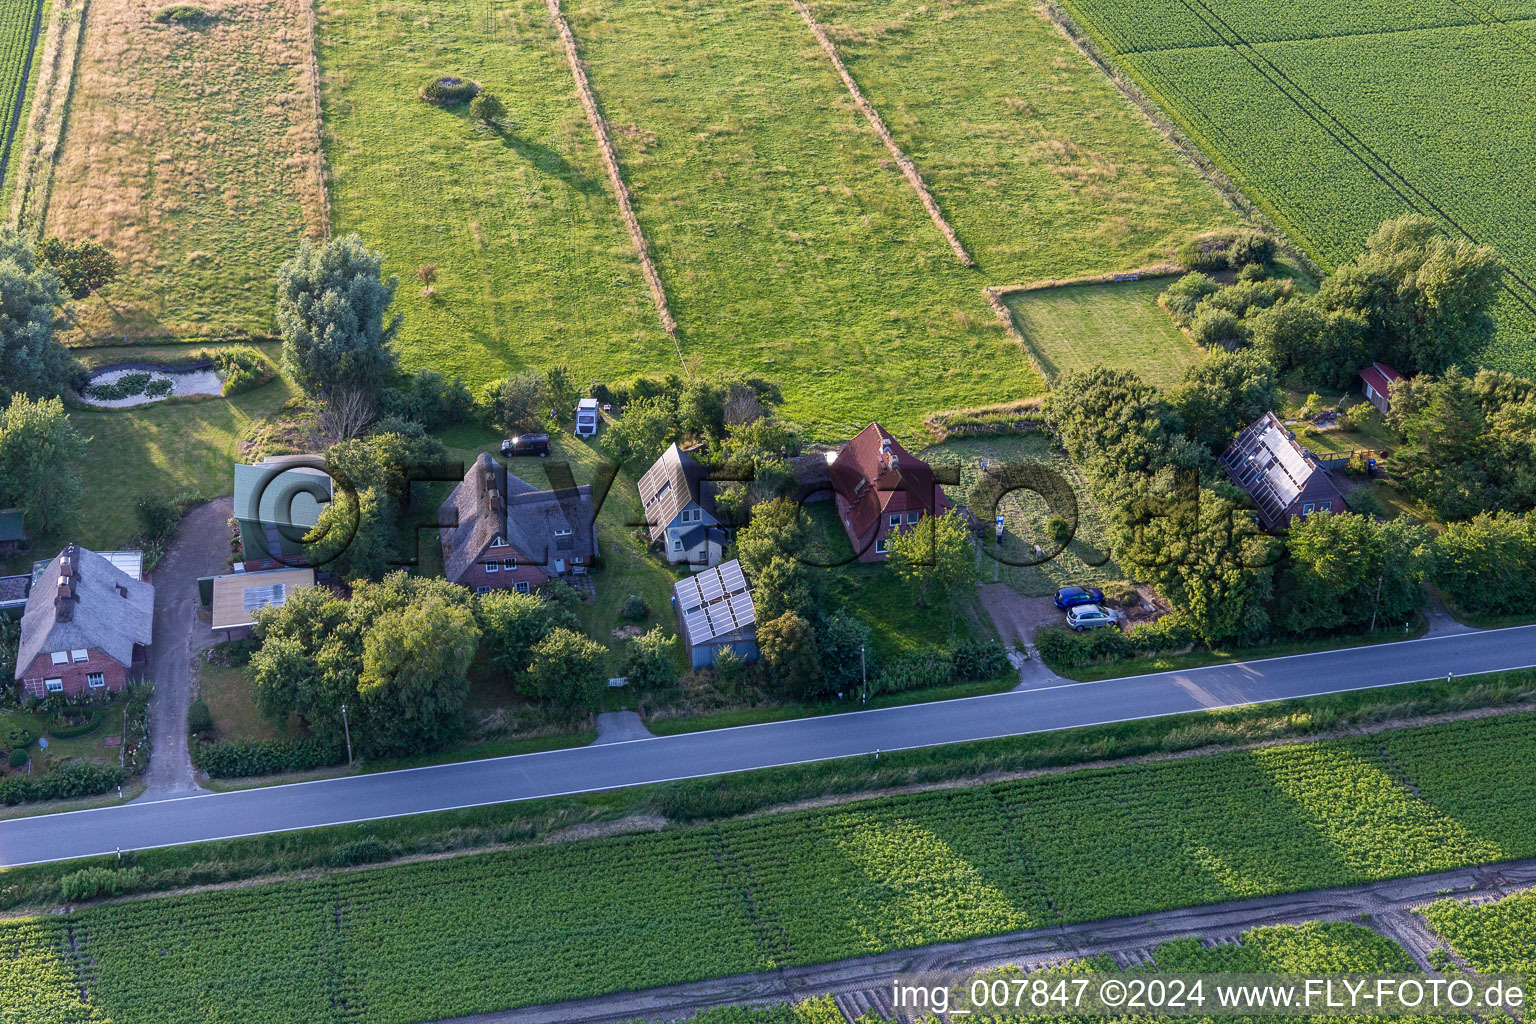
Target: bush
<point>1169,633</point>
<point>1062,648</point>
<point>18,757</point>
<point>1215,328</point>
<point>428,398</point>
<point>487,108</point>
<point>1250,249</point>
<point>20,738</point>
<point>370,850</point>
<point>233,759</point>
<point>448,91</point>
<point>243,368</point>
<point>72,779</point>
<point>1183,296</point>
<point>61,728</point>
<point>1363,500</point>
<point>1221,250</point>
<point>1357,416</point>
<point>1058,529</point>
<point>975,660</point>
<point>199,719</point>
<point>634,608</point>
<point>915,670</point>
<point>1253,272</point>
<point>181,14</point>
<point>95,883</point>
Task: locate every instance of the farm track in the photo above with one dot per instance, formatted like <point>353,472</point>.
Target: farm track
<point>615,174</point>
<point>861,983</point>
<point>908,168</point>
<point>13,123</point>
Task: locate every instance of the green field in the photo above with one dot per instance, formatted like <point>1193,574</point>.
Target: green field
<point>1491,937</point>
<point>1120,325</point>
<point>545,923</point>
<point>1336,116</point>
<point>18,32</point>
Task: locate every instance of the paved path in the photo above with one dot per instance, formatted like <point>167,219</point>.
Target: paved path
<point>201,548</point>
<point>194,819</point>
<point>864,983</point>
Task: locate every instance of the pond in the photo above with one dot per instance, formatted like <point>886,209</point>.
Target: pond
<point>118,387</point>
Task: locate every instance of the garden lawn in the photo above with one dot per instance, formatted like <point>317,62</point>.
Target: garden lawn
<point>1335,116</point>
<point>552,922</point>
<point>1084,562</point>
<point>167,449</point>
<point>1043,167</point>
<point>192,152</point>
<point>534,266</point>
<point>1120,325</point>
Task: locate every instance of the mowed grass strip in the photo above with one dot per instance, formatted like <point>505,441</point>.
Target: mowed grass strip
<point>1338,116</point>
<point>533,263</point>
<point>789,243</point>
<point>1044,168</point>
<point>545,923</point>
<point>191,153</point>
<point>1121,325</point>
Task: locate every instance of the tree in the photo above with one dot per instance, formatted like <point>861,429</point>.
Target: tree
<point>843,641</point>
<point>1488,563</point>
<point>1346,571</point>
<point>332,313</point>
<point>1223,393</point>
<point>936,554</point>
<point>562,393</point>
<point>1427,300</point>
<point>31,361</point>
<point>512,625</point>
<point>567,671</point>
<point>648,662</point>
<point>643,432</point>
<point>519,402</point>
<point>1185,295</point>
<point>788,647</point>
<point>487,108</point>
<point>396,654</point>
<point>1325,346</point>
<point>1111,422</point>
<point>84,266</point>
<point>770,549</point>
<point>39,452</point>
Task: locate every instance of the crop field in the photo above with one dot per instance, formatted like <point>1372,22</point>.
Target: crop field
<point>1335,116</point>
<point>1042,166</point>
<point>1493,937</point>
<point>191,152</point>
<point>19,25</point>
<point>393,945</point>
<point>1120,325</point>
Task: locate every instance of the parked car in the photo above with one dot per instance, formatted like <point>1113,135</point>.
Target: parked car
<point>586,417</point>
<point>1071,597</point>
<point>1090,616</point>
<point>526,444</point>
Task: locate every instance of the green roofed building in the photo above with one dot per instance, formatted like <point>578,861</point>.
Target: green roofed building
<point>13,531</point>
<point>277,502</point>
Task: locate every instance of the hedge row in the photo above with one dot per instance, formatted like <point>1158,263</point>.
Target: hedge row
<point>232,759</point>
<point>73,779</point>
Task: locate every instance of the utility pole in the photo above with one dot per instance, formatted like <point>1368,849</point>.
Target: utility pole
<point>863,675</point>
<point>348,730</point>
<point>1377,603</point>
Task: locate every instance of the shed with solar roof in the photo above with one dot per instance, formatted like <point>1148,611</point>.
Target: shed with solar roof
<point>714,612</point>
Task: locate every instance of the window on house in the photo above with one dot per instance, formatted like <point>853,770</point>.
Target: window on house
<point>1326,506</point>
<point>53,685</point>
<point>79,655</point>
<point>522,587</point>
<point>1306,509</point>
<point>913,517</point>
<point>509,564</point>
<point>492,567</point>
<point>482,590</point>
<point>562,533</point>
<point>96,680</point>
<point>677,545</point>
<point>59,657</point>
<point>896,519</point>
<point>498,541</point>
<point>881,546</point>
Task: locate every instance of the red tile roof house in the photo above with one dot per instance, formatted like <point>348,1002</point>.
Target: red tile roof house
<point>1376,381</point>
<point>502,533</point>
<point>87,627</point>
<point>880,487</point>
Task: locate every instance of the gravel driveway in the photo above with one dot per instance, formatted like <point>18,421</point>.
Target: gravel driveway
<point>201,548</point>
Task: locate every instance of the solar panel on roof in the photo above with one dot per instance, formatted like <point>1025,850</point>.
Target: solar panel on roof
<point>731,577</point>
<point>710,588</point>
<point>742,608</point>
<point>259,597</point>
<point>687,593</point>
<point>697,624</point>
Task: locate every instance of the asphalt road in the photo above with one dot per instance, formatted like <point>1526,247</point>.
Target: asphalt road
<point>195,819</point>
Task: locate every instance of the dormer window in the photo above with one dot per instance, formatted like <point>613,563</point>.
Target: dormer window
<point>498,541</point>
<point>562,533</point>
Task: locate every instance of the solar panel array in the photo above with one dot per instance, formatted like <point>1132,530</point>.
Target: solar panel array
<point>259,597</point>
<point>1267,464</point>
<point>715,602</point>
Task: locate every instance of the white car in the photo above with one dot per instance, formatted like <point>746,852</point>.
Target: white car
<point>1090,616</point>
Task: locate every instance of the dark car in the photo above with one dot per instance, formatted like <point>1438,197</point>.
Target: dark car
<point>1071,597</point>
<point>526,444</point>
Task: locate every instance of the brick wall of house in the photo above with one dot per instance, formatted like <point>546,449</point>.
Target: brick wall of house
<point>74,674</point>
<point>476,575</point>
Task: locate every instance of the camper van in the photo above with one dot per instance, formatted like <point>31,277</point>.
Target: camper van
<point>586,417</point>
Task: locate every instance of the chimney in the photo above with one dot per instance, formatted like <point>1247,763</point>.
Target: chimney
<point>887,457</point>
<point>64,597</point>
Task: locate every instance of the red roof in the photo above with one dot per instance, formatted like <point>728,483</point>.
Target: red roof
<point>874,474</point>
<point>1380,377</point>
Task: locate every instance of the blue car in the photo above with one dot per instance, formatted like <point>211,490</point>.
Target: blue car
<point>1071,597</point>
